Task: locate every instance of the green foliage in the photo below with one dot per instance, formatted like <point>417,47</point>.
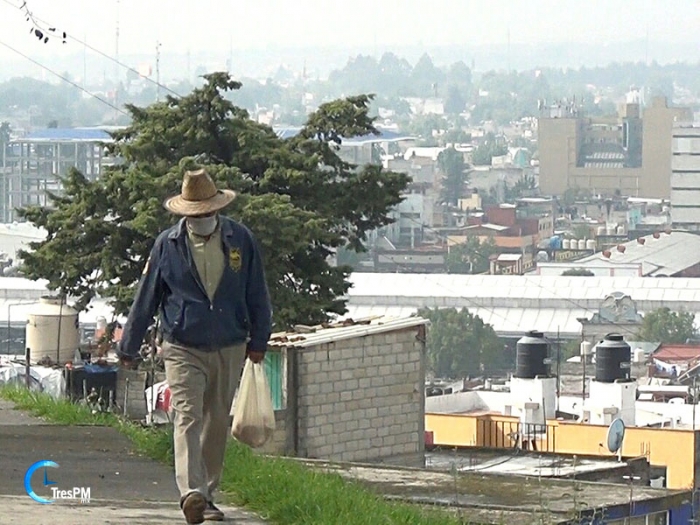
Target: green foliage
<point>298,197</point>
<point>454,174</point>
<point>455,102</point>
<point>47,102</point>
<point>489,148</point>
<point>5,131</point>
<point>520,189</point>
<point>572,195</point>
<point>426,78</point>
<point>456,136</point>
<point>664,326</point>
<point>424,125</point>
<point>472,256</point>
<point>461,344</point>
<point>581,231</point>
<point>578,272</point>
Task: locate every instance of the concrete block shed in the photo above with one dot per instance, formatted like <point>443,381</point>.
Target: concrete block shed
<point>353,391</point>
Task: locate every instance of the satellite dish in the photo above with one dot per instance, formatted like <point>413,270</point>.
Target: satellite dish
<point>616,433</point>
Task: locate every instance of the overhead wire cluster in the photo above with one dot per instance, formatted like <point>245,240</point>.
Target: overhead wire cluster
<point>45,32</point>
<point>38,30</point>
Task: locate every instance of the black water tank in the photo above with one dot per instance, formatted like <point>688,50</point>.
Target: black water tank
<point>532,352</point>
<point>612,359</point>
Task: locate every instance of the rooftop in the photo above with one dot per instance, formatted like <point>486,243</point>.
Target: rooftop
<point>518,498</point>
<point>67,135</point>
<point>384,135</point>
<point>513,303</point>
<point>488,226</point>
<point>666,256</point>
<point>519,464</point>
<point>677,353</point>
<point>310,336</point>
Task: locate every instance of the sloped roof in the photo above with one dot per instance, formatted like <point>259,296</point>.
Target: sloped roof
<point>384,135</point>
<point>67,134</point>
<point>677,353</point>
<point>668,255</point>
<point>318,335</point>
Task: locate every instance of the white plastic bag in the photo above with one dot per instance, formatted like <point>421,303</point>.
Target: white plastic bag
<point>253,415</point>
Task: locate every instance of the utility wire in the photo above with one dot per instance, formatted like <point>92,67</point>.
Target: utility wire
<point>36,19</point>
<point>67,80</point>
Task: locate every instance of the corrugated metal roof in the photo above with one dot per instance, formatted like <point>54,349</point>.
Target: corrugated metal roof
<point>667,255</point>
<point>505,321</point>
<point>359,328</point>
<point>68,134</point>
<point>510,322</point>
<point>286,132</point>
<point>513,303</point>
<point>677,353</point>
<point>388,286</point>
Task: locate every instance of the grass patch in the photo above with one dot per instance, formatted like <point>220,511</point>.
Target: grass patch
<point>281,490</point>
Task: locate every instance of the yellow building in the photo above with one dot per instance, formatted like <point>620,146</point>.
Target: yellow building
<point>630,154</point>
<point>674,449</point>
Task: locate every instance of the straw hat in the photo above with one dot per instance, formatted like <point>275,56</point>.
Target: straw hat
<point>199,196</point>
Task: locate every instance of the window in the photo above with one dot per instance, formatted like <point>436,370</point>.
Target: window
<point>657,518</point>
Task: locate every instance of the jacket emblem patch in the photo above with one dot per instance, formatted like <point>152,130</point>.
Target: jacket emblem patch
<point>234,259</point>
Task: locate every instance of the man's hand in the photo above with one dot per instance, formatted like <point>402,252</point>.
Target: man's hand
<point>130,363</point>
<point>256,357</point>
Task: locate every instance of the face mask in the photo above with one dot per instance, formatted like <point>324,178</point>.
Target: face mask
<point>202,225</point>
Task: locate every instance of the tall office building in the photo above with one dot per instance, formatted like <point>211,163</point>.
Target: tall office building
<point>685,177</point>
<point>629,154</point>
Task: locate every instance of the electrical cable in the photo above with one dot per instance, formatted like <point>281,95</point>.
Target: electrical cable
<point>67,80</point>
<point>37,21</point>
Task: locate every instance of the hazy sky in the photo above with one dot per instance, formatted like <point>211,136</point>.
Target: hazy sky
<point>218,24</point>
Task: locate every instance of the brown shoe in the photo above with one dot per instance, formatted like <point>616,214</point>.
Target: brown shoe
<point>193,506</point>
<point>213,513</point>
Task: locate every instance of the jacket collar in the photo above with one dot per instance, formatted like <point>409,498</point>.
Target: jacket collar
<point>179,231</point>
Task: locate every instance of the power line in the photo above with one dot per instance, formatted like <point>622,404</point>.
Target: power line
<point>37,20</point>
<point>67,80</point>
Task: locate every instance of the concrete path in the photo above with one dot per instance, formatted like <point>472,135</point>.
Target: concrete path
<point>124,488</point>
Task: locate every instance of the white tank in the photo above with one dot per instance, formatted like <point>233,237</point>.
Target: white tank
<point>582,244</point>
<point>639,355</point>
<point>590,244</point>
<point>620,230</point>
<point>586,348</point>
<point>48,321</point>
<point>601,230</point>
<point>566,244</point>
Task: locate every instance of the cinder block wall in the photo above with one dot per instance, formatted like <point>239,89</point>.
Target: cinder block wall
<point>361,399</point>
<point>278,445</point>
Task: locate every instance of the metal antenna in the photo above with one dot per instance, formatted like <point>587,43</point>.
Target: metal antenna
<point>157,71</point>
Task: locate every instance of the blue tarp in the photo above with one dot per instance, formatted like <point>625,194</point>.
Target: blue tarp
<point>68,134</point>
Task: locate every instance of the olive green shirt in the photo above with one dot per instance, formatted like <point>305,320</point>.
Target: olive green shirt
<point>208,255</point>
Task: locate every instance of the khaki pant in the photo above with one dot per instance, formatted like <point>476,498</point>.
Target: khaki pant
<point>202,386</point>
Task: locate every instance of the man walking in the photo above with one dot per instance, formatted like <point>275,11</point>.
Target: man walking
<point>205,277</point>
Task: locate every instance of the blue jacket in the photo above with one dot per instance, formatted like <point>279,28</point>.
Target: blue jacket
<point>171,284</point>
